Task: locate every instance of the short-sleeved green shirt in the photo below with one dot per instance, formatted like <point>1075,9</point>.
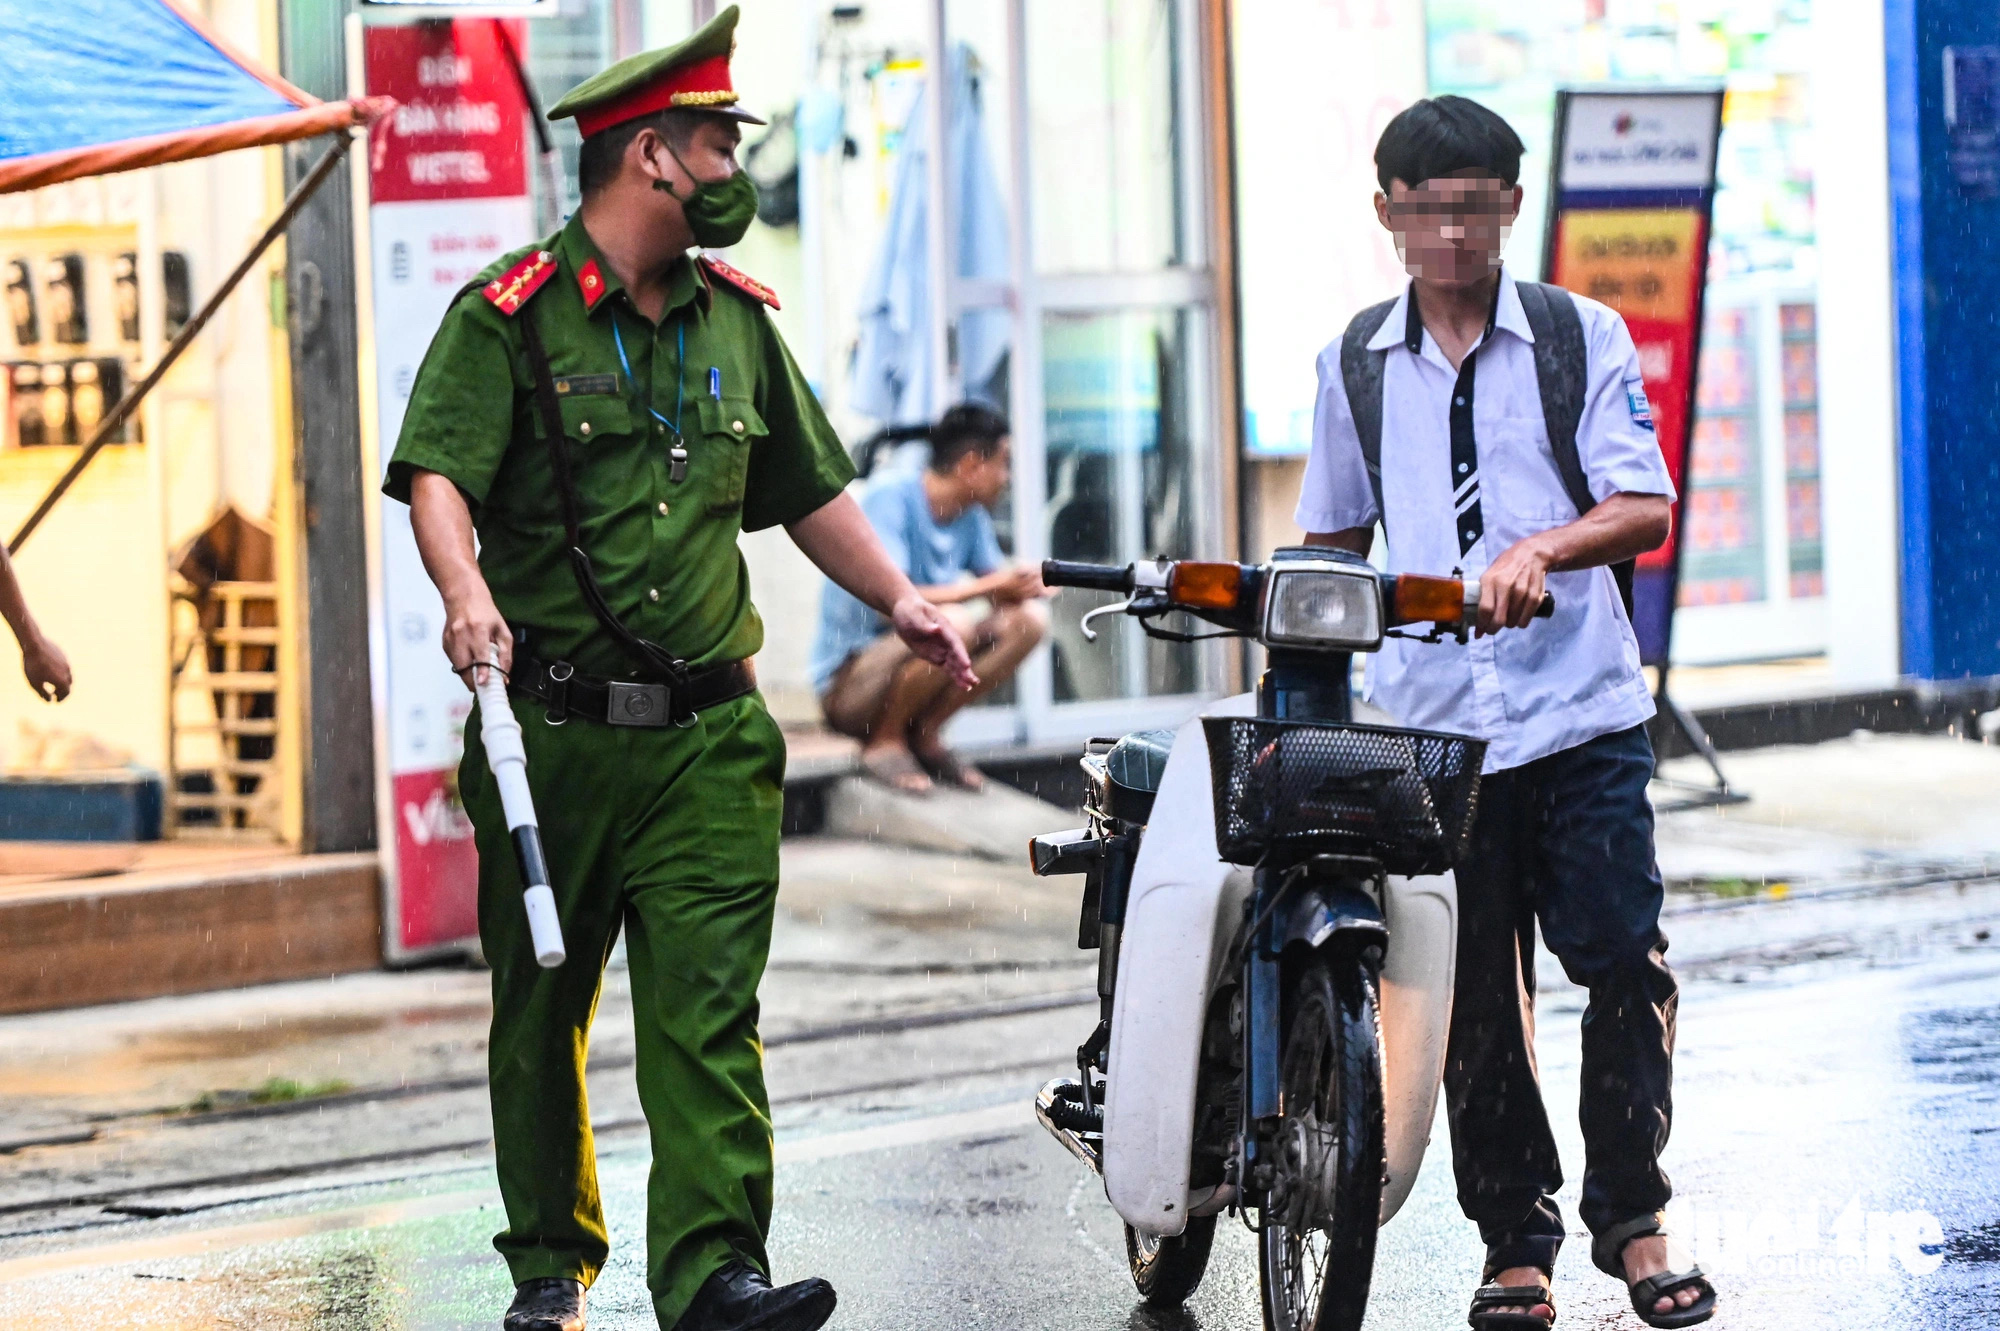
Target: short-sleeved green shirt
<point>760,453</point>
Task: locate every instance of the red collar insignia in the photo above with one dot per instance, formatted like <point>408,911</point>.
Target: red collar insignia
<point>590,281</point>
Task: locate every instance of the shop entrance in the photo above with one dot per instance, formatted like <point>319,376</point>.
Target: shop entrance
<point>1073,235</point>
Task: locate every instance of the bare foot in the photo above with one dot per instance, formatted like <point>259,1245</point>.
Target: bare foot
<point>1650,1256</point>
<point>896,767</point>
<point>1525,1275</point>
<point>948,767</point>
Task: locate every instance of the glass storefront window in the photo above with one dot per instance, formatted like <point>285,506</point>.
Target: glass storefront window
<point>1723,562</point>
<point>1752,507</point>
<point>1102,92</point>
<point>1120,420</point>
<point>1797,326</point>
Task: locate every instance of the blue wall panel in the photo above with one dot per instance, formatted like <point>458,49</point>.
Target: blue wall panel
<point>1948,311</point>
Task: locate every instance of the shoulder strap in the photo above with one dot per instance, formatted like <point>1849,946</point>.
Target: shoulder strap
<point>1562,370</point>
<point>1361,375</point>
<point>1562,373</point>
<point>741,280</point>
<point>647,653</point>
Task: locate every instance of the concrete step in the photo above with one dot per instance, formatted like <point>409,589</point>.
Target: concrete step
<point>994,824</point>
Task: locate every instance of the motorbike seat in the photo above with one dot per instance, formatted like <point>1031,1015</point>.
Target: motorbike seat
<point>1137,761</point>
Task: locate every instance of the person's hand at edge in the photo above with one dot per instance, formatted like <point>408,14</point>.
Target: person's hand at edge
<point>925,631</point>
<point>45,666</point>
<point>473,627</point>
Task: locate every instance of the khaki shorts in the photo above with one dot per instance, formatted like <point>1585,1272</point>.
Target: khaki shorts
<point>854,697</point>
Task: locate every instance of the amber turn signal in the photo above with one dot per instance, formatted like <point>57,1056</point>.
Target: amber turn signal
<point>1205,586</point>
<point>1420,598</point>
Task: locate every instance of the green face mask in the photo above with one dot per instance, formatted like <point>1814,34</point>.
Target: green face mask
<point>719,211</point>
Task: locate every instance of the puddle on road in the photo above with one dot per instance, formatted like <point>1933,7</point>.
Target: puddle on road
<point>248,1041</point>
<point>421,1275</point>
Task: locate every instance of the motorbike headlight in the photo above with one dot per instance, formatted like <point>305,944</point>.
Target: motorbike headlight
<point>1332,608</point>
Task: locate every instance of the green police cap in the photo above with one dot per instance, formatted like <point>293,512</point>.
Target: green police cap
<point>693,76</point>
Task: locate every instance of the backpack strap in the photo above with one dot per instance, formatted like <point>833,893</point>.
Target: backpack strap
<point>1562,369</point>
<point>1361,375</point>
<point>1562,373</point>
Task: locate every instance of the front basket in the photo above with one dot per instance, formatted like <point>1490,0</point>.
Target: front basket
<point>1287,789</point>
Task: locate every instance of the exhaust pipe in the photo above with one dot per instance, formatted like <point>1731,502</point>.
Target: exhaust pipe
<point>1059,1108</point>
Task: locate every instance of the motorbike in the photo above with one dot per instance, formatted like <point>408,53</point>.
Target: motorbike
<point>1269,892</point>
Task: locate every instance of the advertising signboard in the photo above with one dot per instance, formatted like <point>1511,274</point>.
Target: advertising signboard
<point>1629,213</point>
<point>448,194</point>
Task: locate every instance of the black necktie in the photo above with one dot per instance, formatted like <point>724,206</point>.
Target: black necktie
<point>1464,450</point>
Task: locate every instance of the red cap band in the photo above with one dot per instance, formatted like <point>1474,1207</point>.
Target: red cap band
<point>692,86</point>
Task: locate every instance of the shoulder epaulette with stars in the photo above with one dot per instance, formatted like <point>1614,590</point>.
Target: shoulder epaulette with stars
<point>743,282</point>
<point>511,289</point>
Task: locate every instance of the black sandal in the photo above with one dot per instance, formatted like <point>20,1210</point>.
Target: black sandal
<point>1607,1252</point>
<point>1487,1301</point>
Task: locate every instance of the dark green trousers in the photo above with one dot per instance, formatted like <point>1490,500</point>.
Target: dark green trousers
<point>673,835</point>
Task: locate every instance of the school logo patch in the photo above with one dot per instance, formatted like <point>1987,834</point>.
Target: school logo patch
<point>1635,399</point>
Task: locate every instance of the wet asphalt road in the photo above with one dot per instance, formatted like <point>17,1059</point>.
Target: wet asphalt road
<point>1829,1098</point>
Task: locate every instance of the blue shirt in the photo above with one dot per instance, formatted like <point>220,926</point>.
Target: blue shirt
<point>933,554</point>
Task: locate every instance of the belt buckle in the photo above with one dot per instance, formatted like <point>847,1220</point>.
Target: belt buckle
<point>637,704</point>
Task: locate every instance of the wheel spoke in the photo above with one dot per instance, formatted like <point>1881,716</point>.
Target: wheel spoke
<point>1313,1273</point>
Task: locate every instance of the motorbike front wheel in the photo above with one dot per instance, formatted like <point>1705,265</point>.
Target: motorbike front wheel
<point>1167,1270</point>
<point>1317,1245</point>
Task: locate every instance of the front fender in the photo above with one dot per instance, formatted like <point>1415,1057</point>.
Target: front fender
<point>1319,910</point>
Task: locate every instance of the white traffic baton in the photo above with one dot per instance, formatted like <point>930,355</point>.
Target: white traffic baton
<point>508,760</point>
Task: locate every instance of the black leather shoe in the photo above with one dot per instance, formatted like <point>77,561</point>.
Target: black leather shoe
<point>738,1298</point>
<point>546,1304</point>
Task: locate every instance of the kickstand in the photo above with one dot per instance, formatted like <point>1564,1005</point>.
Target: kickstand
<point>1691,794</point>
<point>1087,1055</point>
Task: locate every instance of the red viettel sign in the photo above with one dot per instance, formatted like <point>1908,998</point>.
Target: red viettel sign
<point>449,196</point>
<point>459,130</point>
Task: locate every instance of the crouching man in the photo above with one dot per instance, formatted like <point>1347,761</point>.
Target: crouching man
<point>937,525</point>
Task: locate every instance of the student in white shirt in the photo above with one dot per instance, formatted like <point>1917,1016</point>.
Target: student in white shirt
<point>1468,477</point>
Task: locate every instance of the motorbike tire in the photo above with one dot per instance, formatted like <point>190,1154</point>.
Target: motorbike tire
<point>1168,1270</point>
<point>1332,1066</point>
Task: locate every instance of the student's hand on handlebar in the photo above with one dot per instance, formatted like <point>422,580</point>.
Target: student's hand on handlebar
<point>925,631</point>
<point>1511,588</point>
<point>473,627</point>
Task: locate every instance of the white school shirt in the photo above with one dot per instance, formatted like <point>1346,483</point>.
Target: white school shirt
<point>1563,680</point>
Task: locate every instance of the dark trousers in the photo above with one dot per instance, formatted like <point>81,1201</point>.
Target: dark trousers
<point>1566,840</point>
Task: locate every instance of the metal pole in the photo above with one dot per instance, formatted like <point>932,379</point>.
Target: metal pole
<point>942,390</point>
<point>548,217</point>
<point>118,415</point>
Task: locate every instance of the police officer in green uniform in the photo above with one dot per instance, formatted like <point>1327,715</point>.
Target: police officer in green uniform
<point>607,411</point>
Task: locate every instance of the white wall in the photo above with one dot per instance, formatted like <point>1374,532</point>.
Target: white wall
<point>1857,346</point>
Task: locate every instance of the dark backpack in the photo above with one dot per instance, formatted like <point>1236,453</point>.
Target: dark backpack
<point>1562,362</point>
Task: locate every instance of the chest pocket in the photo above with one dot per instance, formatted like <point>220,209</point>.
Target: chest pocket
<point>595,416</point>
<point>720,455</point>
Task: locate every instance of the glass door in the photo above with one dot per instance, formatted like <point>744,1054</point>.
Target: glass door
<point>1099,336</point>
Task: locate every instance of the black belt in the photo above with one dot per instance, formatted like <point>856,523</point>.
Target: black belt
<point>622,702</point>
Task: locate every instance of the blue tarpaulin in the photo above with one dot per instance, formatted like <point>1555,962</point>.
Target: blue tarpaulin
<point>94,86</point>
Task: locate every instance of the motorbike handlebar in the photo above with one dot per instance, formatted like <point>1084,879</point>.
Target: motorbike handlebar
<point>1095,577</point>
